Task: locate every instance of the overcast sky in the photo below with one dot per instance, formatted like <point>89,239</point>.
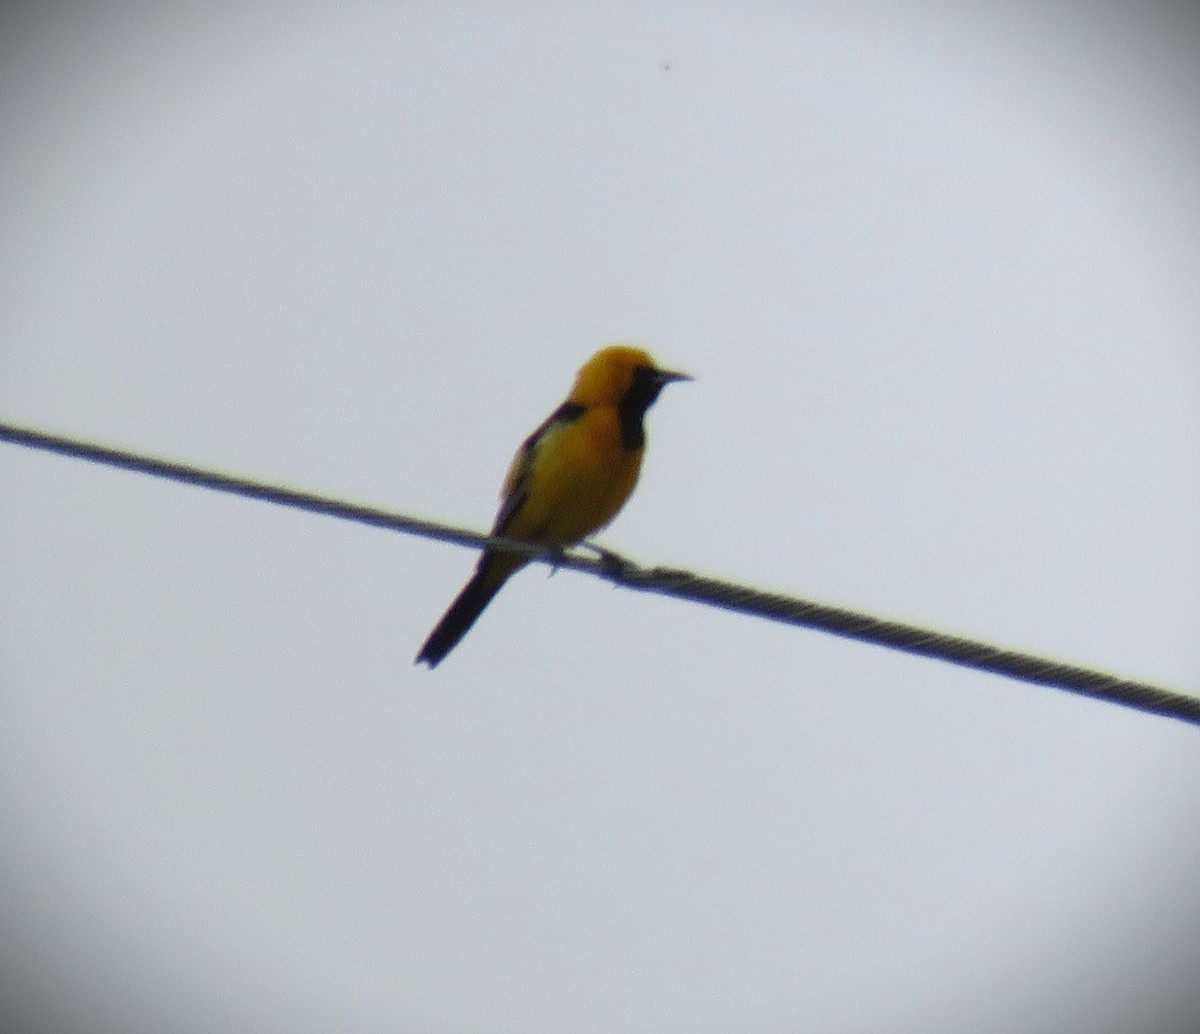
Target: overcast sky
<point>935,269</point>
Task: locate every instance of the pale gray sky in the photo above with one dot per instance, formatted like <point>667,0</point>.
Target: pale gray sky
<point>935,269</point>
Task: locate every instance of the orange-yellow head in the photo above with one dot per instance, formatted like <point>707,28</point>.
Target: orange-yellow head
<point>623,376</point>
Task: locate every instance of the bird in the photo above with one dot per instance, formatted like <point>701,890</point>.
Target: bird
<point>568,479</point>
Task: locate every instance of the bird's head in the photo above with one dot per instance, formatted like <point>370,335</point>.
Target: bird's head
<point>618,374</point>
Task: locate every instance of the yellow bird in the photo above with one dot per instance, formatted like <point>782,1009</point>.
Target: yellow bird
<point>568,479</point>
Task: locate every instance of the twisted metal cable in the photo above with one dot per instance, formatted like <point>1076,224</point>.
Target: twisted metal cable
<point>896,635</point>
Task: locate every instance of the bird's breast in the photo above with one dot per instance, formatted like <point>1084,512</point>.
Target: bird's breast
<point>580,476</point>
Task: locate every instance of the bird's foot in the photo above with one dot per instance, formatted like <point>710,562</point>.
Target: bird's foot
<point>612,564</point>
<point>554,557</point>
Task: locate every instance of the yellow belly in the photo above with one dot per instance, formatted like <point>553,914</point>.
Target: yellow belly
<point>579,478</point>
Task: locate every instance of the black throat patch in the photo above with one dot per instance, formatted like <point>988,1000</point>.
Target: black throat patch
<point>633,405</point>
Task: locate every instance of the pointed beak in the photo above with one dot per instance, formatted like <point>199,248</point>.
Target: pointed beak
<point>667,376</point>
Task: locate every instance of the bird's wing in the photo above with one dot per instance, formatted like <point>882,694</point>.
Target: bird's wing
<point>516,481</point>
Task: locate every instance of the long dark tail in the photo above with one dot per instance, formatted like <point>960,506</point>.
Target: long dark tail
<point>493,572</point>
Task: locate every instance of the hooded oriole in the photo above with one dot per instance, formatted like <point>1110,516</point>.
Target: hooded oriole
<point>568,479</point>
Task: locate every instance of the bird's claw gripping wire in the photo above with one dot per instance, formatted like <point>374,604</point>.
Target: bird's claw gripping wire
<point>554,560</point>
<point>612,564</point>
